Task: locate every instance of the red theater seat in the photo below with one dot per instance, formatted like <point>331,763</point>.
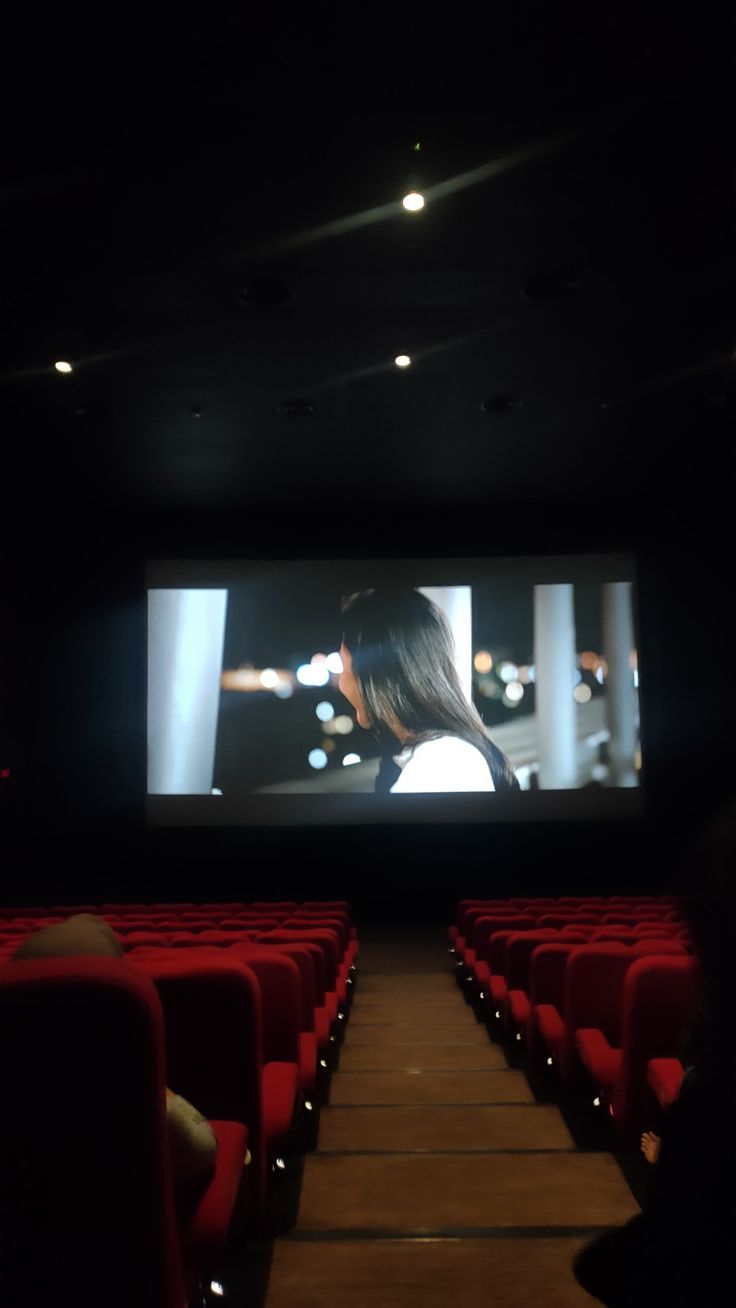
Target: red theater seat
<point>302,956</point>
<point>224,907</point>
<point>573,918</point>
<point>546,995</point>
<point>471,911</point>
<point>477,957</point>
<point>247,923</point>
<point>533,901</point>
<point>519,949</point>
<point>134,939</point>
<point>608,1048</point>
<point>96,1209</point>
<point>225,938</point>
<point>656,945</point>
<point>622,935</point>
<point>594,977</point>
<point>329,942</point>
<point>278,980</point>
<point>213,1029</point>
<point>664,1078</point>
<point>321,1017</point>
<point>496,987</point>
<point>658,1002</point>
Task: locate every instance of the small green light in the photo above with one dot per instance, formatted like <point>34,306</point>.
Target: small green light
<point>417,146</point>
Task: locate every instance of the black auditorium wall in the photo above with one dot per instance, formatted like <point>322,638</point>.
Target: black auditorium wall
<point>73,733</point>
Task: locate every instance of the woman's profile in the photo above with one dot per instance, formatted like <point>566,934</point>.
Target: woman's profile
<point>399,675</point>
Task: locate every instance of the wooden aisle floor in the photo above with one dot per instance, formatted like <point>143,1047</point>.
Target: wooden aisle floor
<point>438,1178</point>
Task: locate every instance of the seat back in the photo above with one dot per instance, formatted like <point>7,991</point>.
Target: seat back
<point>309,947</point>
<point>594,978</point>
<point>302,956</point>
<point>86,1201</point>
<point>547,972</point>
<point>135,938</point>
<point>472,915</point>
<point>214,1038</point>
<point>328,941</point>
<point>278,982</point>
<point>486,927</point>
<point>340,925</point>
<point>571,918</point>
<point>656,945</point>
<point>519,949</point>
<point>659,997</point>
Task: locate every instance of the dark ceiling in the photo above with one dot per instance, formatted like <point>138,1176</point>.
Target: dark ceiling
<point>159,184</point>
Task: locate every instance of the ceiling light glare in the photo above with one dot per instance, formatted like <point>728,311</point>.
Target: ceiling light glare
<point>402,360</point>
<point>413,202</point>
<point>61,365</point>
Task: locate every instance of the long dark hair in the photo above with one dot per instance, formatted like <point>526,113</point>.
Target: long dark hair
<point>404,662</point>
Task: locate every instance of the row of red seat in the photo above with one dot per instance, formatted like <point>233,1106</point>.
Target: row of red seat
<point>244,1022</point>
<point>605,1003</point>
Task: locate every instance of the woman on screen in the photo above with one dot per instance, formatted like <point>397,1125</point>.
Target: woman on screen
<point>399,675</point>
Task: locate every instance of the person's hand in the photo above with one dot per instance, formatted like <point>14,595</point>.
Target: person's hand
<point>650,1146</point>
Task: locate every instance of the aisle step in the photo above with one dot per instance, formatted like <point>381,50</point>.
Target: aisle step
<point>486,1273</point>
<point>427,1194</point>
<point>406,1128</point>
<point>426,1056</point>
<point>446,1087</point>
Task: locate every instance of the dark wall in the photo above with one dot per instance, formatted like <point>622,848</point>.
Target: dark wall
<point>74,735</point>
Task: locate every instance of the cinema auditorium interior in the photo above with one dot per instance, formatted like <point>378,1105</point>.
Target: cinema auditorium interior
<point>367,794</point>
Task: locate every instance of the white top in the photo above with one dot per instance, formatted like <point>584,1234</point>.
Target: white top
<point>442,765</point>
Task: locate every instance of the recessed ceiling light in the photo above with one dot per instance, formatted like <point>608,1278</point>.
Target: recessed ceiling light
<point>61,365</point>
<point>413,202</point>
<point>502,403</point>
<point>554,286</point>
<point>402,360</point>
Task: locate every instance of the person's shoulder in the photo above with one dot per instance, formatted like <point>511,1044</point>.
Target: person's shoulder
<point>449,747</point>
<point>457,757</point>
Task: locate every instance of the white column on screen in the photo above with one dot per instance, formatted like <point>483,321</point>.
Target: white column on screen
<point>456,602</point>
<point>621,706</point>
<point>186,632</point>
<point>554,658</point>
